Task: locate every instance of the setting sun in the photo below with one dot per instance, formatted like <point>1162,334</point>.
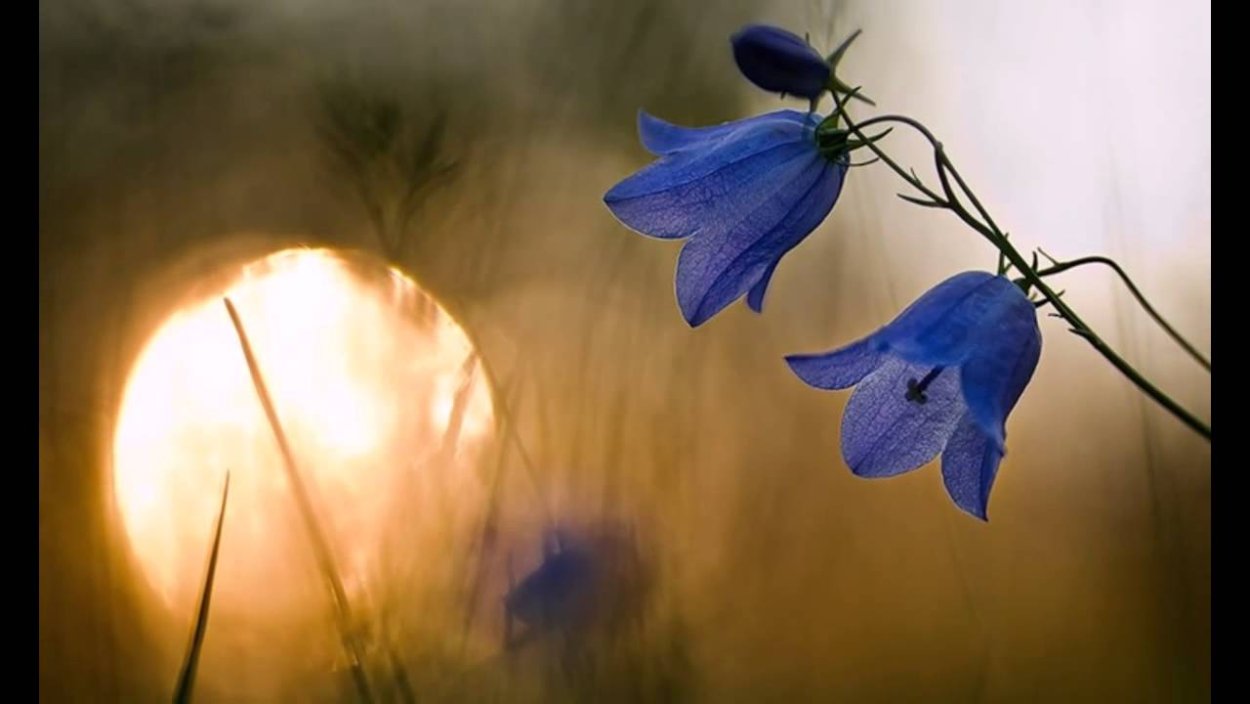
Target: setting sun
<point>366,374</point>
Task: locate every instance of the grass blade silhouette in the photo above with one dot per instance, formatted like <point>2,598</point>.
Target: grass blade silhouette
<point>186,679</point>
<point>320,545</point>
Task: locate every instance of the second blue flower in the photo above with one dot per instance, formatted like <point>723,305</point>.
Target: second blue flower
<point>941,378</point>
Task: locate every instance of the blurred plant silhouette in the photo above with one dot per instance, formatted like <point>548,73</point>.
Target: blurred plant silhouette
<point>392,157</point>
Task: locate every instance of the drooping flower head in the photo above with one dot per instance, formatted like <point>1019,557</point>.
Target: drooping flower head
<point>559,592</point>
<point>940,378</point>
<point>780,62</point>
<point>745,193</point>
<point>589,579</point>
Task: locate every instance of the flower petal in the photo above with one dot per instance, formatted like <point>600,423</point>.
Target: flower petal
<point>698,189</point>
<point>779,61</point>
<point>731,256</point>
<point>662,138</point>
<point>755,298</point>
<point>1008,346</point>
<point>969,465</point>
<point>941,327</point>
<point>884,434</point>
<point>840,369</point>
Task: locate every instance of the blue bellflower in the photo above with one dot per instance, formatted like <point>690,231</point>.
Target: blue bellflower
<point>557,593</point>
<point>940,378</point>
<point>780,62</point>
<point>745,193</point>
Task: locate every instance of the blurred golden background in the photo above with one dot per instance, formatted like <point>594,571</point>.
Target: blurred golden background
<point>468,145</point>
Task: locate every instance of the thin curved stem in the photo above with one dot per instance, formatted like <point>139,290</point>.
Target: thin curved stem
<point>1060,267</point>
<point>989,230</point>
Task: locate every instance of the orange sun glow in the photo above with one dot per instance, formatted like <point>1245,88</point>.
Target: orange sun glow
<point>366,374</point>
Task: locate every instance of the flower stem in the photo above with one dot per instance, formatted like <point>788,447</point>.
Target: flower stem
<point>1059,267</point>
<point>986,227</point>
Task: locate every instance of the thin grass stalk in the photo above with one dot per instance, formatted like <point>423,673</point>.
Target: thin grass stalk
<point>321,547</point>
<point>191,663</point>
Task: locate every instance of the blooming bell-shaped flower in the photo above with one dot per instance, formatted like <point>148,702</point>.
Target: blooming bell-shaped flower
<point>745,193</point>
<point>780,62</point>
<point>940,378</point>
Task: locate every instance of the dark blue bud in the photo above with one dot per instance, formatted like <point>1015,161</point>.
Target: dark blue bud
<point>780,62</point>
